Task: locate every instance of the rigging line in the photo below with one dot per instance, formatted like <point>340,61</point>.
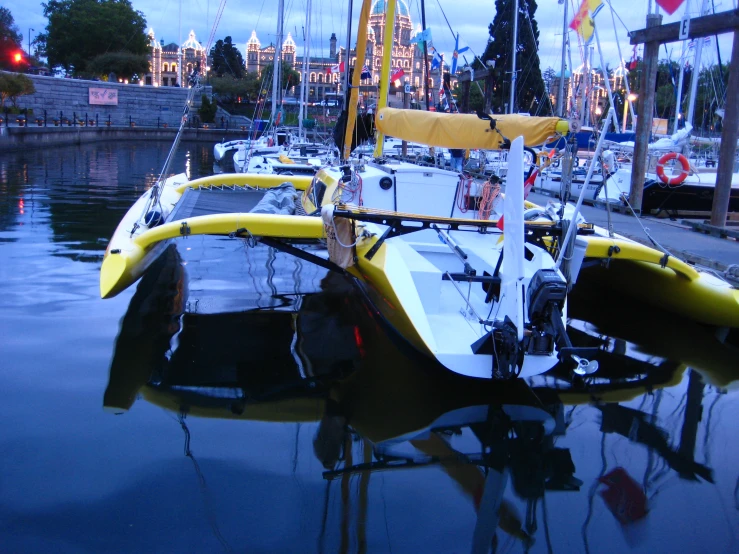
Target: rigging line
<point>591,494</point>
<point>207,501</point>
<point>479,88</point>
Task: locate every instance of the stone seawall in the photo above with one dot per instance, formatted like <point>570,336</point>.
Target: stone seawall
<point>140,104</point>
<point>22,138</point>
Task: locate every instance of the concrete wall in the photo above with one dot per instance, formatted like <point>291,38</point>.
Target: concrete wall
<point>141,104</point>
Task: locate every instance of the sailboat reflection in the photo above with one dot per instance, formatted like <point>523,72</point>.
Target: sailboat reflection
<point>324,358</point>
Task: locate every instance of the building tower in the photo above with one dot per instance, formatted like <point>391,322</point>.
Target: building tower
<point>155,62</point>
<point>252,53</point>
<point>288,50</point>
<point>194,57</point>
<point>332,46</point>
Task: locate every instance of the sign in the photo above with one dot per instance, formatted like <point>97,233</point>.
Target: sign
<point>407,89</point>
<point>684,27</point>
<point>103,96</point>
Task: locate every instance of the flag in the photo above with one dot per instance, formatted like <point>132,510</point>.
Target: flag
<point>397,74</point>
<point>457,52</point>
<point>583,20</point>
<point>366,73</point>
<point>423,36</point>
<point>338,68</point>
<point>437,59</point>
<point>670,6</point>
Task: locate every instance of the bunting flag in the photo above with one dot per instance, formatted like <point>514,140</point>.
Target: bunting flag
<point>670,6</point>
<point>583,21</point>
<point>338,68</point>
<point>457,52</point>
<point>437,60</point>
<point>423,36</point>
<point>397,74</point>
<point>366,73</point>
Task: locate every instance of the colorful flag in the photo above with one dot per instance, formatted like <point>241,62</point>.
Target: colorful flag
<point>397,74</point>
<point>583,20</point>
<point>670,6</point>
<point>338,68</point>
<point>457,52</point>
<point>423,36</point>
<point>437,60</point>
<point>366,73</point>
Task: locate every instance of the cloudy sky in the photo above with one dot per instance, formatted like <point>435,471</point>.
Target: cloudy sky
<point>469,18</point>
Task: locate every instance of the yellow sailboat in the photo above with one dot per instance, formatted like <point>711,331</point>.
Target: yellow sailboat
<point>482,302</point>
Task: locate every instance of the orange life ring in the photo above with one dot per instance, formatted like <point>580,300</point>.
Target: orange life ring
<point>677,179</point>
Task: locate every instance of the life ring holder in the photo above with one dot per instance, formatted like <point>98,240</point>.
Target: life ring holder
<point>677,179</point>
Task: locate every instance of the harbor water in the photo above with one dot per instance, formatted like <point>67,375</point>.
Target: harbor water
<point>241,400</point>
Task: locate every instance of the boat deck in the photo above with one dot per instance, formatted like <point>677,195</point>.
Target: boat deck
<point>196,202</point>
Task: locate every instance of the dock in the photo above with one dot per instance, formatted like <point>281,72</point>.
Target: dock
<point>712,251</point>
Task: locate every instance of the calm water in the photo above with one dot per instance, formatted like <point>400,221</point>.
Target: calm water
<point>238,400</point>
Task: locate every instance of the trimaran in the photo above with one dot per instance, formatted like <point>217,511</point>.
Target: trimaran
<point>483,291</point>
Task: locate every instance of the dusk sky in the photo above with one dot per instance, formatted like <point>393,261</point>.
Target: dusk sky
<point>469,18</point>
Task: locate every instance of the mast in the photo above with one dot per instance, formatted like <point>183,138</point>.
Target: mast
<point>513,60</point>
<point>345,79</point>
<point>179,46</point>
<point>696,71</point>
<point>352,97</point>
<point>276,64</point>
<point>425,57</point>
<point>387,51</point>
<point>561,94</point>
<point>623,65</point>
<point>304,76</point>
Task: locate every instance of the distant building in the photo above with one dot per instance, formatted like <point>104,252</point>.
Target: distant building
<point>170,65</point>
<point>407,56</point>
<point>166,70</point>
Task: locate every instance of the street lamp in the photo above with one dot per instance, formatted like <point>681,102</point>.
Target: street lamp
<point>630,98</point>
<point>29,41</point>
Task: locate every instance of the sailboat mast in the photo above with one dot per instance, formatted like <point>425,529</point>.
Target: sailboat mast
<point>425,57</point>
<point>276,64</point>
<point>513,58</point>
<point>304,76</point>
<point>696,70</point>
<point>346,54</point>
<point>387,51</point>
<point>561,95</point>
<point>353,96</point>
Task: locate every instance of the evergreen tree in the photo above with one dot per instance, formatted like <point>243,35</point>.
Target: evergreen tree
<point>227,59</point>
<point>530,86</point>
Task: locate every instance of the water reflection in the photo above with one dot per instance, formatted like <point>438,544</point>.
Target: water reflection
<point>81,193</point>
<point>379,408</point>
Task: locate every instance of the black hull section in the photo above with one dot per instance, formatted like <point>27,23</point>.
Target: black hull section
<point>658,197</point>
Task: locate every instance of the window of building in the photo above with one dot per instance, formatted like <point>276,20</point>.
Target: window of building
<point>165,81</point>
<point>148,80</point>
<point>174,67</point>
<point>165,67</point>
<point>312,78</point>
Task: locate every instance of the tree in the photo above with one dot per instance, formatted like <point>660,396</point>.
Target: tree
<point>10,40</point>
<point>124,64</point>
<point>228,89</point>
<point>13,85</point>
<point>227,59</point>
<point>530,86</point>
<point>80,30</point>
<point>207,111</point>
<point>290,77</point>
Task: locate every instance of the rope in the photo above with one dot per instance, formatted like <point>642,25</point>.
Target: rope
<point>490,192</point>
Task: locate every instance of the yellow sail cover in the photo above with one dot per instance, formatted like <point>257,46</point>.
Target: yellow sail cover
<point>466,131</point>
